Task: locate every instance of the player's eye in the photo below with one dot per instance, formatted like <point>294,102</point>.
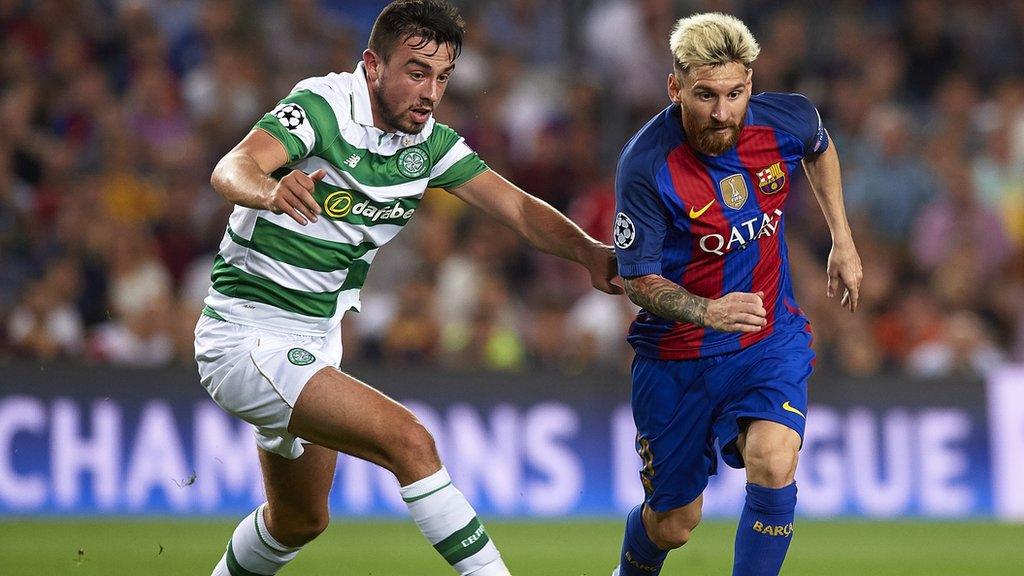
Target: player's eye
<point>705,96</point>
<point>443,78</point>
<point>416,75</point>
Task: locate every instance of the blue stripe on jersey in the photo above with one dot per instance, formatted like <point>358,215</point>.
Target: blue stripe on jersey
<point>789,147</point>
<point>676,251</point>
<point>676,254</point>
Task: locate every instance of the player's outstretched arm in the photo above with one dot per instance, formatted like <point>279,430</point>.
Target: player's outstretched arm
<point>541,225</point>
<point>844,265</point>
<point>243,177</point>
<point>734,312</point>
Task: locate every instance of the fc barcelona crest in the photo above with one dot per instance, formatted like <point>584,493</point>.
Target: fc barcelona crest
<point>734,191</point>
<point>771,179</point>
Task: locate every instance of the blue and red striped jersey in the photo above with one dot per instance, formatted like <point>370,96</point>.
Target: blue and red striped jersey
<point>713,224</point>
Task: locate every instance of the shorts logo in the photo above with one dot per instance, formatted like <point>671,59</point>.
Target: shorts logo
<point>338,203</point>
<point>290,115</point>
<point>789,408</point>
<point>300,357</point>
<point>624,232</point>
<point>734,191</point>
<point>412,162</point>
<point>771,179</point>
<point>647,472</point>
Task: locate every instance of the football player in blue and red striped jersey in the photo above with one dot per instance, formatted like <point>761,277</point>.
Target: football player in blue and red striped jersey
<point>723,352</point>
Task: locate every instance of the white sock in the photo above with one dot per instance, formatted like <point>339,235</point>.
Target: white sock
<point>252,550</point>
<point>450,524</point>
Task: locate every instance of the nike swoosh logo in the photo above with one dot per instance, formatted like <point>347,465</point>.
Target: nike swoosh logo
<point>694,214</point>
<point>788,408</point>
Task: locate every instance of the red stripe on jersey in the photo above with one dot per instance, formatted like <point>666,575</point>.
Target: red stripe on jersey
<point>704,274</point>
<point>758,149</point>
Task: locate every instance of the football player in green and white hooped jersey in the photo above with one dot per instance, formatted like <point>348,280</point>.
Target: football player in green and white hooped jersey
<point>330,175</point>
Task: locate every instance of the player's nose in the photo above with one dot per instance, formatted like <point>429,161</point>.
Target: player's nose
<point>432,91</point>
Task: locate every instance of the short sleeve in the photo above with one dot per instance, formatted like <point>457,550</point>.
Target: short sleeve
<point>641,218</point>
<point>303,122</point>
<point>814,136</point>
<point>796,115</point>
<point>453,162</point>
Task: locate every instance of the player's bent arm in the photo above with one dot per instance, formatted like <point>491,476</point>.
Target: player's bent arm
<point>844,265</point>
<point>824,175</point>
<point>734,312</point>
<point>242,177</point>
<point>541,225</point>
<point>666,299</point>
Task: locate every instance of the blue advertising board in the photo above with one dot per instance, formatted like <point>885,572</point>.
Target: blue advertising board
<point>91,440</point>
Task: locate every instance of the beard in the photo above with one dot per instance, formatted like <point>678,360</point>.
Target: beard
<point>397,116</point>
<point>705,137</point>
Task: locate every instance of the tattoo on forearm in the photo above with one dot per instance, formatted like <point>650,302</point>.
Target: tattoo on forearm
<point>666,299</point>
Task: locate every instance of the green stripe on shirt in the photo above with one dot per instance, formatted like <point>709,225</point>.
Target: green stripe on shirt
<point>459,173</point>
<point>237,283</point>
<point>300,250</point>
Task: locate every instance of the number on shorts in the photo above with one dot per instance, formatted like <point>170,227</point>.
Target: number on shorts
<point>647,472</point>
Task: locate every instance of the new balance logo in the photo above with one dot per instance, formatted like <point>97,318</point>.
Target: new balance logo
<point>353,160</point>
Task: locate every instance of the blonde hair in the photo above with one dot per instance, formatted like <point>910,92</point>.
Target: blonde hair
<point>711,39</point>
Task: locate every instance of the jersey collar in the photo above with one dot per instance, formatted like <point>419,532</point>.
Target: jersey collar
<point>361,111</point>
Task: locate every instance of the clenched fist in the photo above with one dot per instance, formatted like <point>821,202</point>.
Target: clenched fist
<point>737,312</point>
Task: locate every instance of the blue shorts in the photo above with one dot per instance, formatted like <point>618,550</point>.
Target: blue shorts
<point>681,407</point>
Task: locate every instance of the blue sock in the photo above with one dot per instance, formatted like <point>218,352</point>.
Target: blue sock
<point>640,557</point>
<point>765,530</point>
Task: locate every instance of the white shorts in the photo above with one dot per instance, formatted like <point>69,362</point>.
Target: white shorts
<point>258,374</point>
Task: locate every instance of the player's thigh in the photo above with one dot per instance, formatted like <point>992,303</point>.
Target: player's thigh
<point>766,382</point>
<point>338,411</point>
<point>673,418</point>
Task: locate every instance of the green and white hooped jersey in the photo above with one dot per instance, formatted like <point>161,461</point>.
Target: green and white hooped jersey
<point>272,272</point>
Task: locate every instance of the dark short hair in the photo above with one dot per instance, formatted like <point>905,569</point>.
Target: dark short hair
<point>429,20</point>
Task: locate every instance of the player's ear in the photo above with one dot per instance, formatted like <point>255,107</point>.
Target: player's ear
<point>674,89</point>
<point>371,61</point>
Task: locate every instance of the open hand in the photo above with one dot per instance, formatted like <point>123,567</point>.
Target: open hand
<point>844,269</point>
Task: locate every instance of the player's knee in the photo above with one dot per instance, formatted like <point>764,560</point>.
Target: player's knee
<point>296,528</point>
<point>414,447</point>
<point>675,530</point>
<point>670,538</point>
<point>771,468</point>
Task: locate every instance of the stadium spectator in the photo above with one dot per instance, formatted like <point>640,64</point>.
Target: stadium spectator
<point>964,349</point>
<point>113,112</point>
<point>46,324</point>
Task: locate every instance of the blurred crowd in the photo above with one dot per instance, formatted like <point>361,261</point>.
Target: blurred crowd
<point>115,111</point>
